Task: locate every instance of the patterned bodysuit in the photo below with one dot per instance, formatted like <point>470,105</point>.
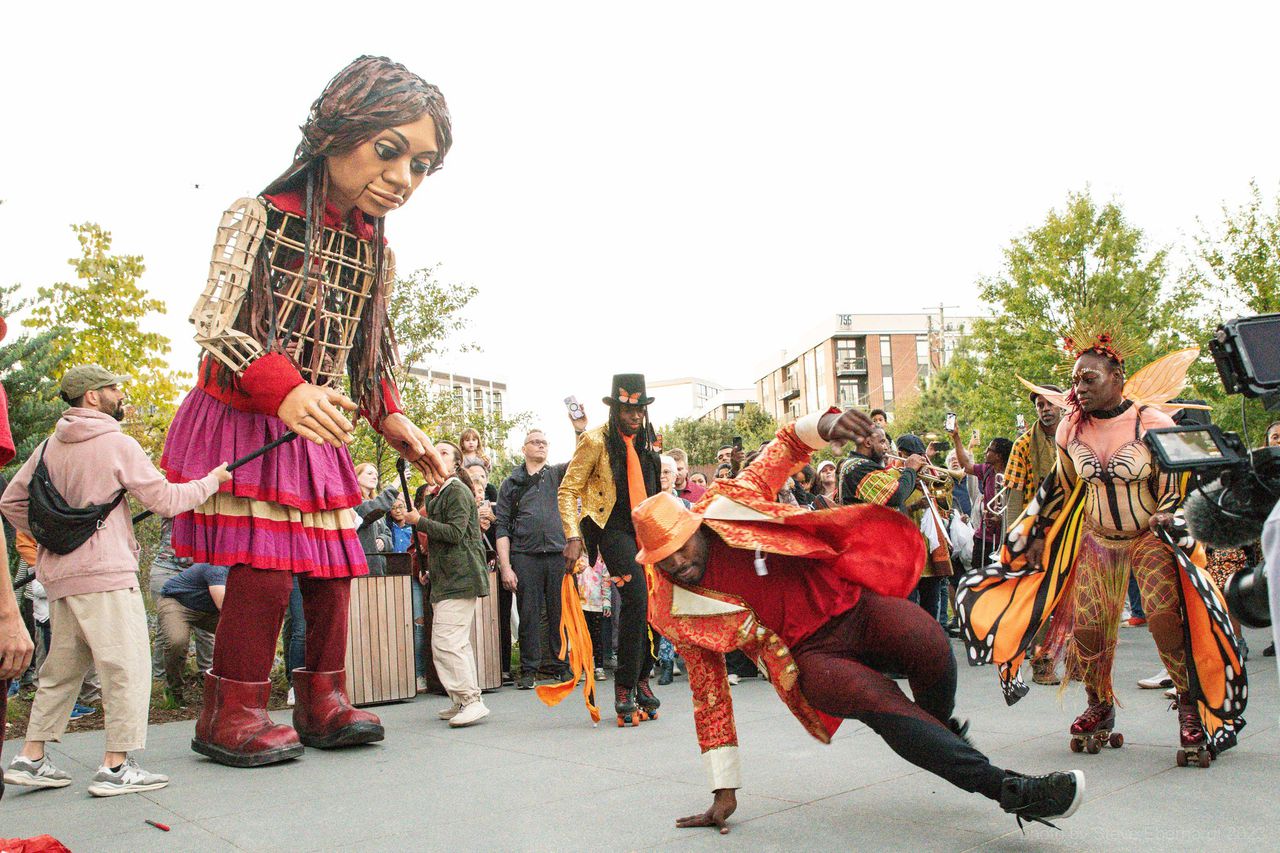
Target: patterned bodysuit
<point>1123,489</point>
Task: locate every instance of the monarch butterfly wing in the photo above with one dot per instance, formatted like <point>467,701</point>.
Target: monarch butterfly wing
<point>1002,608</point>
<point>1215,665</point>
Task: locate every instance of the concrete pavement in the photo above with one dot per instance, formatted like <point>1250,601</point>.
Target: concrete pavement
<point>532,778</point>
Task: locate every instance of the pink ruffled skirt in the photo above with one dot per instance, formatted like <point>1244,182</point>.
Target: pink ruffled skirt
<point>289,509</point>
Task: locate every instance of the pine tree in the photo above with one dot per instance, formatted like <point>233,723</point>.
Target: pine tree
<point>27,365</point>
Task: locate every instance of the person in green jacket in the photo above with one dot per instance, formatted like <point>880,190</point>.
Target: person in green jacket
<point>459,577</point>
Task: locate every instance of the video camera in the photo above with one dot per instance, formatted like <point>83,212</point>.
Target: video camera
<point>1236,487</point>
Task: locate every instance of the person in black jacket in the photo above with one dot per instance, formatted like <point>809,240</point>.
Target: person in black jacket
<point>530,542</point>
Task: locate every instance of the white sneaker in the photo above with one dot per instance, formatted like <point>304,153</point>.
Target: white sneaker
<point>1155,682</point>
<point>1171,693</point>
<point>472,712</point>
<point>35,774</point>
<point>421,684</point>
<point>128,779</point>
<point>734,678</point>
<point>450,712</point>
<point>288,700</point>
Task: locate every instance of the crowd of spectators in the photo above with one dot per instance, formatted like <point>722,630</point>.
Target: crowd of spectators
<point>474,536</point>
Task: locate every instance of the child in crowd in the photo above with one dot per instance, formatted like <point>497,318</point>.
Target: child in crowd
<point>473,449</point>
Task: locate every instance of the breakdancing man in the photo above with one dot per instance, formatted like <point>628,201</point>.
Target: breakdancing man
<point>818,599</point>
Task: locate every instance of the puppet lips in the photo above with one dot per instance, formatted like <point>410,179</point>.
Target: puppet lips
<point>385,198</point>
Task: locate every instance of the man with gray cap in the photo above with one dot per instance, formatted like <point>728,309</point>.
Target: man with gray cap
<point>95,605</point>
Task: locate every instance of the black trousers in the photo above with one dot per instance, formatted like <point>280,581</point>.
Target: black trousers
<point>538,579</point>
<point>841,668</point>
<point>504,628</point>
<point>635,654</point>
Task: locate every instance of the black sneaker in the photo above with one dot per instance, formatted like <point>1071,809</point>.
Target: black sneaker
<point>960,728</point>
<point>1039,798</point>
<point>526,682</point>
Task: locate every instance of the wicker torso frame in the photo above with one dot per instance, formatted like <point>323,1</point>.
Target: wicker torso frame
<point>316,318</point>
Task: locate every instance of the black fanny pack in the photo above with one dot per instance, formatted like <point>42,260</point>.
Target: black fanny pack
<point>56,524</point>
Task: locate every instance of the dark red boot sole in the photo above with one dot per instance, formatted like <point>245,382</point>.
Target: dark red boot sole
<point>352,735</point>
<point>241,759</point>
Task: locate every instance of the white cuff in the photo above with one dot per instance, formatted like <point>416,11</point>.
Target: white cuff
<point>723,769</point>
<point>807,430</point>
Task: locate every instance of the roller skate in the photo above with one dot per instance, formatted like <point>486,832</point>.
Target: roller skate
<point>647,701</point>
<point>1093,729</point>
<point>624,705</point>
<point>1194,748</point>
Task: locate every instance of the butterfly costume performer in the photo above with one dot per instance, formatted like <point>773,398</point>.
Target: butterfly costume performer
<point>1093,513</point>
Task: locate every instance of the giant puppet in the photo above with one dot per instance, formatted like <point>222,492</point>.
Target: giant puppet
<point>296,306</point>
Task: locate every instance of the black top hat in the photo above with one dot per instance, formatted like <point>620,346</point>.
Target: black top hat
<point>628,389</point>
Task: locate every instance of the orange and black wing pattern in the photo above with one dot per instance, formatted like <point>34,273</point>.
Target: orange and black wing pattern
<point>1003,607</point>
<point>1215,665</point>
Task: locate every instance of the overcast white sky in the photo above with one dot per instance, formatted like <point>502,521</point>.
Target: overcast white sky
<point>673,188</point>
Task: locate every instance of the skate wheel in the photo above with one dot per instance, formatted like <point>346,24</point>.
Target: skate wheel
<point>1076,746</point>
<point>641,715</point>
<point>1116,740</point>
<point>1093,747</point>
<point>1203,758</point>
<point>1182,758</point>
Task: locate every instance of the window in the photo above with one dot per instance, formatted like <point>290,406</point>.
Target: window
<point>731,411</point>
<point>923,353</point>
<point>811,381</point>
<point>888,391</point>
<point>851,354</point>
<point>477,400</point>
<point>497,404</point>
<point>886,351</point>
<point>852,392</point>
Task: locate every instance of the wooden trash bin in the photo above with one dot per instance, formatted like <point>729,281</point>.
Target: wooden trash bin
<point>380,640</point>
<point>484,639</point>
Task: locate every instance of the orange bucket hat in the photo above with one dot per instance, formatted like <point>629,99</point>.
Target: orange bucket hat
<point>662,525</point>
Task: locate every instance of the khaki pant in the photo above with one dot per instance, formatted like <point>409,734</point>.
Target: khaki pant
<point>176,623</point>
<point>455,659</point>
<point>109,630</point>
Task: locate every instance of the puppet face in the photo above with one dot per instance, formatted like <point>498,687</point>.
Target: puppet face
<point>379,174</point>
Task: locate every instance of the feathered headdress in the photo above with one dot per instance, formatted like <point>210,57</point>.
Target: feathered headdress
<point>1103,332</point>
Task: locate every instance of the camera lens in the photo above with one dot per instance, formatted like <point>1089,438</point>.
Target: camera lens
<point>1247,598</point>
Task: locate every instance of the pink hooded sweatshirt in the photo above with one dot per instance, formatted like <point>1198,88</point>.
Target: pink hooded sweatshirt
<point>89,460</point>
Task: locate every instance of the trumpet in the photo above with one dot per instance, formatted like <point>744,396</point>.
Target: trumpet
<point>930,474</point>
<point>1000,499</point>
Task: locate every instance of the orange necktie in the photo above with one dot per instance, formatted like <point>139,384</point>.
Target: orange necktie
<point>635,487</point>
<point>635,475</point>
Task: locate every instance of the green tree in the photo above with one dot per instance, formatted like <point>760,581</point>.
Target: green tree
<point>1085,256</point>
<point>1234,269</point>
<point>700,439</point>
<point>27,365</point>
<point>97,319</point>
<point>425,314</point>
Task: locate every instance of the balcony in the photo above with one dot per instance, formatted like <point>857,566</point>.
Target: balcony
<point>850,366</point>
<point>790,389</point>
